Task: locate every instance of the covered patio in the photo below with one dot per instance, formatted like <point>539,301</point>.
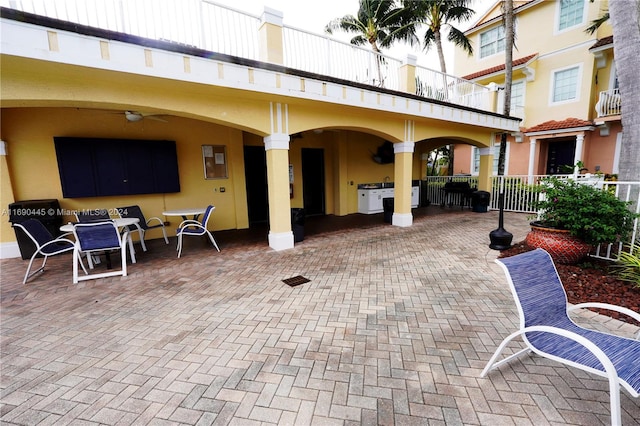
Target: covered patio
<point>394,327</point>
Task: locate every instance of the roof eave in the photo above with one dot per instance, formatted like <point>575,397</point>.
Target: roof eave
<point>555,131</point>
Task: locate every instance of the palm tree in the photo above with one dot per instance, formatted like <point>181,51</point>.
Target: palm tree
<point>500,238</point>
<point>438,14</point>
<point>380,23</point>
<point>624,16</point>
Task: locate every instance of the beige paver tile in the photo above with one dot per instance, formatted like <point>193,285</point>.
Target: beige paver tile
<point>394,327</point>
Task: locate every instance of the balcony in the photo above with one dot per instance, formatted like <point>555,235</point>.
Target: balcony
<point>203,24</point>
<point>608,104</point>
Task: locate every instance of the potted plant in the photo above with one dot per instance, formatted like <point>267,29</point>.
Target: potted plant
<point>574,217</point>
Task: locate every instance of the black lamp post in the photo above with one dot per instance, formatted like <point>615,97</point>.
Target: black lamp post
<point>501,238</point>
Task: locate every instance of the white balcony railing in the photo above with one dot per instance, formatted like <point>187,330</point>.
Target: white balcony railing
<point>207,25</point>
<point>321,54</point>
<point>444,87</point>
<point>608,103</point>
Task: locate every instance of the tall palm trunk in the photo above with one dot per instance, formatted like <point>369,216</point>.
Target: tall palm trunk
<point>501,238</point>
<point>625,21</point>
<point>445,89</point>
<point>508,76</point>
<point>378,58</point>
<point>438,40</point>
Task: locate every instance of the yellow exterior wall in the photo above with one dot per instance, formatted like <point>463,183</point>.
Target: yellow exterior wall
<point>231,104</point>
<point>29,135</point>
<point>6,198</point>
<point>536,25</point>
<point>555,50</point>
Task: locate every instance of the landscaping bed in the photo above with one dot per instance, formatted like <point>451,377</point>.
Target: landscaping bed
<point>590,281</point>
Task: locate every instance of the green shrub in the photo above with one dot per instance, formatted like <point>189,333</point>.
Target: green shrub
<point>627,266</point>
<point>589,213</point>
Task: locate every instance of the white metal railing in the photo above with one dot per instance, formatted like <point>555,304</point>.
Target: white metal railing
<point>322,54</point>
<point>207,25</point>
<point>628,192</point>
<point>196,23</point>
<point>609,103</point>
<point>444,87</point>
<point>521,193</point>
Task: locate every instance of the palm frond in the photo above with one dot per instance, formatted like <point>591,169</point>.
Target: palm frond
<point>459,39</point>
<point>596,23</point>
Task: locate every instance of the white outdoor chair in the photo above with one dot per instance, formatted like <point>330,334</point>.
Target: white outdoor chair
<point>98,237</point>
<point>547,329</point>
<point>144,225</point>
<point>46,245</point>
<point>195,228</point>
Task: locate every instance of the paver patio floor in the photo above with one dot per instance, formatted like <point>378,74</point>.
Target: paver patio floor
<point>394,327</point>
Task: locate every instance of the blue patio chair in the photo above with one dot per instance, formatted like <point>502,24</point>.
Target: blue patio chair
<point>46,245</point>
<point>547,329</point>
<point>95,237</point>
<point>144,225</point>
<point>92,215</point>
<point>195,228</point>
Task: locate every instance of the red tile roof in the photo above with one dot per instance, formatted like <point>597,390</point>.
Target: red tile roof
<point>499,68</point>
<point>602,42</point>
<point>568,123</point>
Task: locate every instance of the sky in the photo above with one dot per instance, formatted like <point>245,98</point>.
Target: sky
<point>314,15</point>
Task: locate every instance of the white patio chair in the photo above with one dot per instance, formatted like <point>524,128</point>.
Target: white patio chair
<point>547,329</point>
<point>195,228</point>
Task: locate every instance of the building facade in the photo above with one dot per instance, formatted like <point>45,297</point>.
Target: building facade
<point>564,88</point>
<point>254,133</point>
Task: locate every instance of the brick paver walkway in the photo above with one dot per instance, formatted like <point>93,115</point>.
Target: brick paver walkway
<point>394,327</point>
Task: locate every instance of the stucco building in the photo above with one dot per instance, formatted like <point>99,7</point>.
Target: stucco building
<point>256,131</point>
<point>564,87</point>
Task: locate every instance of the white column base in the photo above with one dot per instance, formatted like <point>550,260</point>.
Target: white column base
<point>281,241</point>
<point>9,250</point>
<point>402,219</point>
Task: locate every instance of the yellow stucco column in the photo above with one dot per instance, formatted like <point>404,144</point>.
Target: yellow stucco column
<point>486,169</point>
<point>8,245</point>
<point>402,174</point>
<point>270,33</point>
<point>280,235</point>
<point>277,147</point>
<point>493,97</point>
<point>407,75</point>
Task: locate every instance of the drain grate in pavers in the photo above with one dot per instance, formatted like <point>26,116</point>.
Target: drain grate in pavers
<point>297,280</point>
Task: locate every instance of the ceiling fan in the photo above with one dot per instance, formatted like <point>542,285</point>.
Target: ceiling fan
<point>134,116</point>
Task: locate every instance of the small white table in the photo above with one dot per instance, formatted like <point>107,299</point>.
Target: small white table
<point>120,223</point>
<point>195,212</point>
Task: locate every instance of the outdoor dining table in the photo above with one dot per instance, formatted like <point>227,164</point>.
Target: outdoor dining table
<point>195,212</point>
<point>120,223</point>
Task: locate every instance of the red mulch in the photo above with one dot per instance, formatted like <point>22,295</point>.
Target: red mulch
<point>590,281</point>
